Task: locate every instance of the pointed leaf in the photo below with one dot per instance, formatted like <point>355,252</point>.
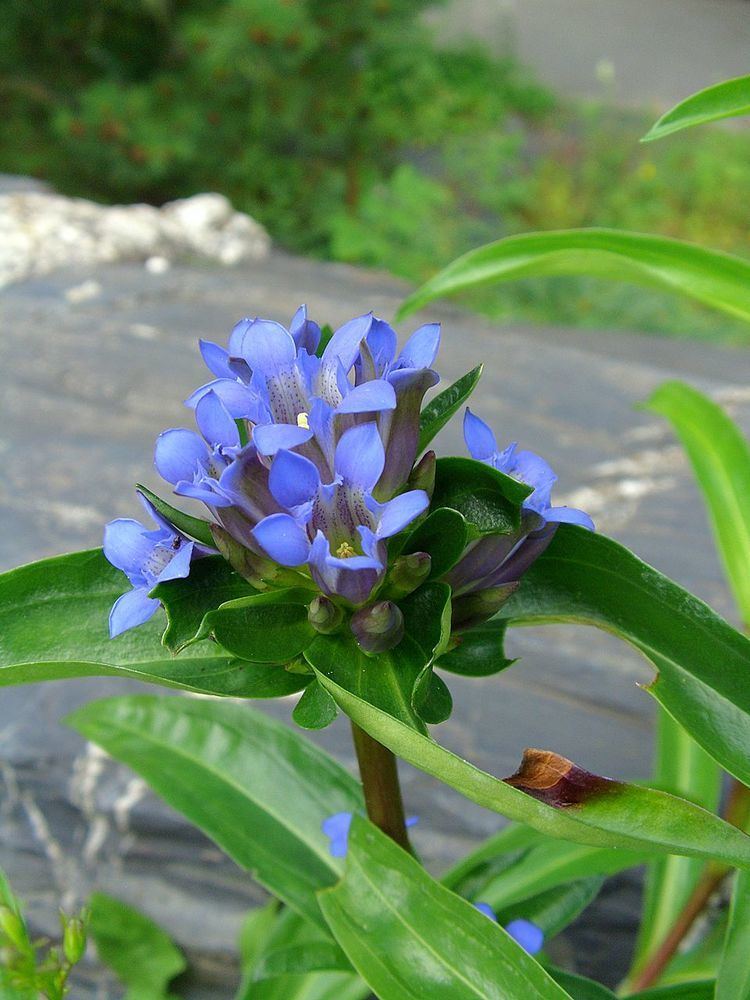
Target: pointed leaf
<point>316,709</point>
<point>439,410</point>
<point>410,938</point>
<point>233,773</point>
<point>479,652</point>
<point>195,527</point>
<point>727,99</point>
<point>715,279</point>
<point>489,500</point>
<point>553,910</point>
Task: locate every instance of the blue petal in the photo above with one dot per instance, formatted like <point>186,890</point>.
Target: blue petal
<point>293,479</point>
<point>238,332</point>
<point>397,513</point>
<point>486,909</point>
<point>528,935</point>
<point>126,545</point>
<point>479,437</point>
<point>421,348</point>
<point>133,608</point>
<point>282,539</point>
<point>532,469</point>
<point>353,579</point>
<point>337,827</point>
<point>215,423</point>
<point>270,438</point>
<point>203,491</point>
<point>360,456</point>
<point>179,454</point>
<point>178,566</point>
<point>267,347</point>
<point>162,521</point>
<point>216,358</point>
<point>305,332</point>
<point>382,342</point>
<point>369,397</point>
<point>238,399</point>
<point>569,515</point>
<point>344,344</point>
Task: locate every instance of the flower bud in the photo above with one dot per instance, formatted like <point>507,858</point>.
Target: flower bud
<point>473,609</point>
<point>74,940</point>
<point>12,926</point>
<point>423,474</point>
<point>408,573</point>
<point>324,616</point>
<point>379,627</point>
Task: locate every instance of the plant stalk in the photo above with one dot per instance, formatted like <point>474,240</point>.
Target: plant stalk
<point>379,773</point>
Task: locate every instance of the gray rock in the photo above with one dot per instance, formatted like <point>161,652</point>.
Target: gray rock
<point>87,385</point>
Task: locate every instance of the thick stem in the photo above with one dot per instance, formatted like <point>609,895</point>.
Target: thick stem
<point>379,773</point>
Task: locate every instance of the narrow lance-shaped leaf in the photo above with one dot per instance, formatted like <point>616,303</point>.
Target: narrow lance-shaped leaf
<point>715,279</point>
<point>409,937</point>
<point>196,527</point>
<point>556,797</point>
<point>727,99</point>
<point>53,625</point>
<point>234,773</point>
<point>702,662</point>
<point>439,410</point>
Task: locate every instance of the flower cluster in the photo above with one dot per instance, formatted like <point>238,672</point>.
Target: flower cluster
<point>305,455</point>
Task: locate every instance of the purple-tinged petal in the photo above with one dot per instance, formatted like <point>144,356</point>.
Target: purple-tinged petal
<point>382,342</point>
<point>400,427</point>
<point>215,423</point>
<point>397,513</point>
<point>216,359</point>
<point>569,515</point>
<point>270,438</point>
<point>523,557</point>
<point>353,579</point>
<point>267,347</point>
<point>305,332</point>
<point>245,483</point>
<point>421,348</point>
<point>487,910</point>
<point>178,566</point>
<point>337,827</point>
<point>368,397</point>
<point>528,935</point>
<point>344,344</point>
<point>533,470</point>
<point>479,437</point>
<point>179,454</point>
<point>293,479</point>
<point>202,491</point>
<point>133,608</point>
<point>126,545</point>
<point>283,540</point>
<point>359,456</point>
<point>239,400</point>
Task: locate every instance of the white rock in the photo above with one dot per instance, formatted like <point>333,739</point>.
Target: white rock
<point>40,232</point>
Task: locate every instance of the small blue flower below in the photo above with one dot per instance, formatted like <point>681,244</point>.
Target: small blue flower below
<point>337,827</point>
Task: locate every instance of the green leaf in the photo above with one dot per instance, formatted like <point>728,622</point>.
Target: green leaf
<point>195,527</point>
<point>212,582</point>
<point>233,773</point>
<point>489,500</point>
<point>609,814</point>
<point>683,768</point>
<point>410,937</point>
<point>142,955</point>
<point>255,933</point>
<point>727,99</point>
<point>716,279</point>
<point>579,987</point>
<point>479,652</point>
<point>512,839</point>
<point>431,698</point>
<point>438,411</point>
<point>316,709</point>
<point>553,910</point>
<point>270,627</point>
<point>720,457</point>
<point>702,662</point>
<point>703,990</point>
<point>53,625</point>
<point>733,979</point>
<point>314,956</point>
<point>443,535</point>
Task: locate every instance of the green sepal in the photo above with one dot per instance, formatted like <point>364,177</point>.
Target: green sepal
<point>439,410</point>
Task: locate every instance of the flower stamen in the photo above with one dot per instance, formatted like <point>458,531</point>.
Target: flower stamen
<point>303,421</point>
<point>345,551</point>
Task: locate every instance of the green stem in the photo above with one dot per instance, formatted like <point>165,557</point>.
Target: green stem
<point>379,773</point>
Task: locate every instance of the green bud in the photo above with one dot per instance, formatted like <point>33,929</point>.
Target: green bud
<point>379,627</point>
<point>324,616</point>
<point>473,609</point>
<point>423,474</point>
<point>407,573</point>
<point>14,929</point>
<point>74,940</point>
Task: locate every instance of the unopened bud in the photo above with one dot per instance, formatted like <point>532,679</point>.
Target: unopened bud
<point>379,627</point>
<point>324,616</point>
<point>74,940</point>
<point>423,474</point>
<point>473,609</point>
<point>408,573</point>
<point>254,568</point>
<point>12,927</point>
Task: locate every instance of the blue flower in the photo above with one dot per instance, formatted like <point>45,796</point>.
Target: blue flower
<point>487,910</point>
<point>337,528</point>
<point>525,466</point>
<point>337,828</point>
<point>146,557</point>
<point>523,932</point>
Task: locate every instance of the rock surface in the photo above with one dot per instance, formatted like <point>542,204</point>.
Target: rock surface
<point>41,231</point>
<point>88,382</point>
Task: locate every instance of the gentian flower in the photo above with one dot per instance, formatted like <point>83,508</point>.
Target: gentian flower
<point>523,932</point>
<point>337,528</point>
<point>337,828</point>
<point>146,557</point>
